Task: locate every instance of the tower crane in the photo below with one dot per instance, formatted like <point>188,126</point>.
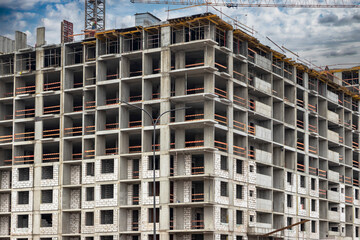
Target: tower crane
<point>260,3</point>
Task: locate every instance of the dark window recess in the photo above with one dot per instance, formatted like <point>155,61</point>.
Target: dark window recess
<point>151,215</point>
<point>24,174</point>
<point>151,188</point>
<point>23,221</point>
<point>224,215</point>
<point>223,189</point>
<point>107,216</point>
<point>107,191</point>
<point>46,220</point>
<point>90,194</point>
<point>157,162</point>
<point>289,201</point>
<point>224,163</point>
<point>23,197</point>
<point>107,166</point>
<point>46,196</point>
<point>313,205</point>
<point>239,189</point>
<point>106,237</point>
<point>313,184</point>
<point>313,226</point>
<point>289,178</point>
<point>47,172</point>
<point>239,166</point>
<point>89,218</point>
<point>90,169</point>
<point>239,217</point>
<point>302,181</point>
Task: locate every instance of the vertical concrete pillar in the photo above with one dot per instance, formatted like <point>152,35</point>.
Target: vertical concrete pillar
<point>165,36</point>
<point>20,40</point>
<point>40,36</point>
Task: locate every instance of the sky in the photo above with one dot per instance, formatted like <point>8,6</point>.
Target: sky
<point>322,36</point>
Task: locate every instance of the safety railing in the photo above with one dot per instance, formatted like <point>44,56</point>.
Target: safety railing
<point>78,108</point>
<point>8,162</point>
<point>71,131</point>
<point>111,151</point>
<point>252,105</point>
<point>313,171</point>
<point>52,109</point>
<point>135,98</point>
<point>90,129</point>
<point>355,145</point>
<point>322,193</point>
<point>155,96</point>
<point>355,163</point>
<point>239,76</point>
<point>322,173</point>
<point>6,138</point>
<point>78,84</point>
<point>111,126</point>
<point>221,145</point>
<point>348,180</point>
<point>135,200</point>
<point>135,226</point>
<point>135,174</point>
<point>341,178</point>
<point>354,127</point>
<point>300,146</point>
<point>51,157</point>
<point>157,147</point>
<point>89,154</point>
<point>220,92</point>
<point>341,157</point>
<point>341,139</point>
<point>52,86</point>
<point>112,101</point>
<point>171,221</point>
<point>221,119</point>
<point>25,113</point>
<point>240,101</point>
<point>239,125</point>
<point>251,154</point>
<point>26,136</point>
<point>312,128</point>
<point>197,197</point>
<point>194,65</point>
<point>171,197</point>
<point>197,170</point>
<point>193,144</point>
<point>24,159</point>
<point>348,199</point>
<point>53,133</point>
<point>300,124</point>
<point>135,73</point>
<point>300,167</point>
<point>133,124</point>
<point>76,156</point>
<point>8,94</point>
<point>134,149</point>
<point>313,149</point>
<point>197,224</point>
<point>312,107</point>
<point>221,67</point>
<point>300,102</point>
<point>356,182</point>
<point>25,90</point>
<point>194,90</point>
<point>8,117</point>
<point>90,105</point>
<point>240,151</point>
<point>251,130</point>
<point>194,117</point>
<point>112,76</point>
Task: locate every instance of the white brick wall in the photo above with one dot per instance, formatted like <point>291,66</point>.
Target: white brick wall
<point>22,184</point>
<point>54,181</point>
<point>5,202</point>
<point>146,173</point>
<point>21,207</point>
<point>4,225</point>
<point>54,228</point>
<point>75,174</point>
<point>5,180</point>
<point>103,228</point>
<point>21,231</point>
<point>55,204</point>
<point>100,177</point>
<point>105,202</point>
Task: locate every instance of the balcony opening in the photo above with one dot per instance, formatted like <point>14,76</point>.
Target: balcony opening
<point>194,138</point>
<point>221,61</point>
<point>151,215</point>
<point>132,41</point>
<point>151,188</point>
<point>7,64</point>
<point>73,102</point>
<point>26,62</point>
<point>89,100</point>
<point>197,219</point>
<point>6,87</point>
<point>25,85</point>
<point>24,131</point>
<point>197,164</point>
<point>221,88</point>
<point>90,51</point>
<point>46,220</point>
<point>89,121</point>
<point>89,148</point>
<point>136,194</point>
<point>152,63</point>
<point>73,78</point>
<point>72,150</point>
<point>134,143</point>
<point>108,95</point>
<point>193,59</point>
<point>197,191</point>
<point>109,45</point>
<point>52,81</point>
<point>135,67</point>
<point>6,156</point>
<point>51,128</point>
<point>135,220</point>
<point>51,152</point>
<point>74,54</point>
<point>90,75</point>
<point>51,104</point>
<point>73,126</point>
<point>132,92</point>
<point>108,70</point>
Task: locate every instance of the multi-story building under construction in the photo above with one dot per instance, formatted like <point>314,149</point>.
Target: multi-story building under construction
<point>264,142</point>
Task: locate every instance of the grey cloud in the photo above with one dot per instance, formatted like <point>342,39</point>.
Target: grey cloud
<point>334,20</point>
<point>343,53</point>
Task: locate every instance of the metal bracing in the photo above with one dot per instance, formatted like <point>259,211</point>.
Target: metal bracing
<point>94,14</point>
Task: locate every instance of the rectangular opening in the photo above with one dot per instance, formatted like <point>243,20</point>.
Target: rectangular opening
<point>151,215</point>
<point>46,220</point>
<point>107,191</point>
<point>90,169</point>
<point>90,194</point>
<point>47,172</point>
<point>24,174</point>
<point>107,166</point>
<point>89,218</point>
<point>46,196</point>
<point>151,188</point>
<point>23,197</point>
<point>23,221</point>
<point>107,216</point>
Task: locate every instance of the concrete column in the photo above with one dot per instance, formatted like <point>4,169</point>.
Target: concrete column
<point>229,40</point>
<point>40,36</point>
<point>179,60</point>
<point>165,36</point>
<point>20,40</point>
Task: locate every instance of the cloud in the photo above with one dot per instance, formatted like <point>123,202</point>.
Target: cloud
<point>24,4</point>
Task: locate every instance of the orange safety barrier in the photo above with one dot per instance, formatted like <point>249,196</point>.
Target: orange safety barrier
<point>348,199</point>
<point>312,128</point>
<point>8,161</point>
<point>92,79</point>
<point>197,197</point>
<point>135,73</point>
<point>221,145</point>
<point>24,159</point>
<point>239,125</point>
<point>312,108</point>
<point>313,171</point>
<point>300,124</point>
<point>341,178</point>
<point>220,65</point>
<point>322,193</point>
<point>300,103</point>
<point>171,197</point>
<point>50,156</point>
<point>354,127</point>
<point>157,147</point>
<point>155,96</point>
<point>348,180</point>
<point>221,119</point>
<point>252,130</point>
<point>26,90</point>
<point>9,94</point>
<point>8,117</point>
<point>220,92</point>
<point>171,221</point>
<point>239,76</point>
<point>355,182</point>
<point>251,154</point>
<point>111,151</point>
<point>194,90</point>
<point>27,136</point>
<point>301,167</point>
<point>6,138</point>
<point>135,124</point>
<point>135,226</point>
<point>239,100</point>
<point>111,126</point>
<point>197,170</point>
<point>52,109</point>
<point>300,146</point>
<point>76,156</point>
<point>355,145</point>
<point>355,163</point>
<point>322,173</point>
<point>25,113</point>
<point>76,85</point>
<point>135,98</point>
<point>194,65</point>
<point>73,130</point>
<point>341,139</point>
<point>340,157</point>
<point>52,86</point>
<point>192,144</point>
<point>252,105</point>
<point>193,117</point>
<point>112,76</point>
<point>134,149</point>
<point>171,171</point>
<point>197,224</point>
<point>51,133</point>
<point>89,153</point>
<point>135,174</point>
<point>112,101</point>
<point>313,149</point>
<point>90,104</point>
<point>77,108</point>
<point>239,151</point>
<point>172,145</point>
<point>136,200</point>
<point>90,129</point>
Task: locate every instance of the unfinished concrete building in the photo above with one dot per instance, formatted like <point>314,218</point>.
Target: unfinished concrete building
<point>266,143</point>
